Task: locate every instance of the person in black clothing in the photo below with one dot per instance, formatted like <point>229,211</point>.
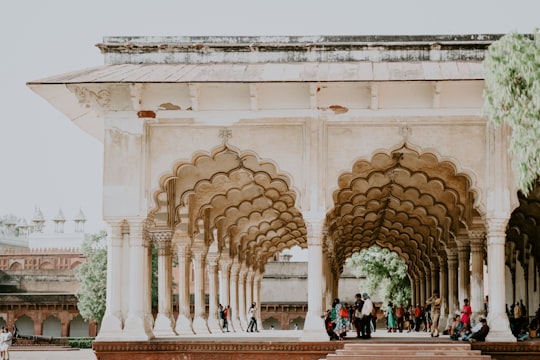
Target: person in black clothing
<point>357,316</point>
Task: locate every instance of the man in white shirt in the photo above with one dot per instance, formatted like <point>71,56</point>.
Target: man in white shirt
<point>366,316</point>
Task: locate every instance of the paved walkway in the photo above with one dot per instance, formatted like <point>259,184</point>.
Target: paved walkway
<point>85,354</point>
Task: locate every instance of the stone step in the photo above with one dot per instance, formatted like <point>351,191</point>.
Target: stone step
<point>407,351</point>
<point>408,346</point>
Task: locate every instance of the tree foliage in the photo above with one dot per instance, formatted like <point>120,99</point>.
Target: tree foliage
<point>384,272</point>
<point>92,276</point>
<point>512,96</point>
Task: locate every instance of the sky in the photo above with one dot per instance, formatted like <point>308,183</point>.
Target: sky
<point>48,162</point>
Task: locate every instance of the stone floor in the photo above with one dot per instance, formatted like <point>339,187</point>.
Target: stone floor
<point>85,354</point>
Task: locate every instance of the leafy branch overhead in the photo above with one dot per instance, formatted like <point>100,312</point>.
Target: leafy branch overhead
<point>512,96</point>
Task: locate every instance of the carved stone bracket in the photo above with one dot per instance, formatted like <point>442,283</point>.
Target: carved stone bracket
<point>99,99</point>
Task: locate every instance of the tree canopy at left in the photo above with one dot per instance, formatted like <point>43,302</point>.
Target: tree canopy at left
<point>92,276</point>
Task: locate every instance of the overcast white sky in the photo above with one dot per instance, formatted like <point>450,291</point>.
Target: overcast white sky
<point>48,162</point>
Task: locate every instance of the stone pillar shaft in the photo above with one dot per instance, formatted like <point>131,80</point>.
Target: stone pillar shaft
<point>111,326</point>
<point>464,273</point>
<point>314,325</point>
<point>477,276</point>
<point>200,325</point>
<point>453,304</point>
<point>213,318</point>
<point>183,321</point>
<point>136,326</point>
<point>242,306</point>
<point>235,306</point>
<point>497,318</point>
<point>164,325</point>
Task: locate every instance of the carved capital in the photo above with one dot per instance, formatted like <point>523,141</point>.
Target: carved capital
<point>162,239</point>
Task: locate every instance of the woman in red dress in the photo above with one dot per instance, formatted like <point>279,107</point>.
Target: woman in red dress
<point>466,313</point>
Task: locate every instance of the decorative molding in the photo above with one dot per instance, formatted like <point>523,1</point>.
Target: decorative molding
<point>100,99</point>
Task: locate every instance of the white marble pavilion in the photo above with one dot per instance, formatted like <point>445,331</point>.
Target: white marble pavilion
<point>222,151</point>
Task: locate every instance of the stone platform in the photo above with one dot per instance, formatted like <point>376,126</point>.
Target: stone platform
<point>281,344</point>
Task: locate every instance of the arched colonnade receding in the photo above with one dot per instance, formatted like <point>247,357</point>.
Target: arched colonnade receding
<point>340,143</point>
<point>231,212</point>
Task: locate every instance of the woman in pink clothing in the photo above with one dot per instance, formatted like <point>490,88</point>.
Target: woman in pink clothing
<point>466,313</point>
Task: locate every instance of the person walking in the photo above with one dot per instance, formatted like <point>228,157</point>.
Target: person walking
<point>435,302</point>
<point>226,318</point>
<point>252,316</point>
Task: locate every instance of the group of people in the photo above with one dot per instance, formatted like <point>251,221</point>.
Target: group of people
<point>340,318</point>
<point>223,313</point>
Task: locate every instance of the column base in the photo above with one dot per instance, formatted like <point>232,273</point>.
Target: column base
<point>237,325</point>
<point>501,336</point>
<point>499,329</point>
<point>314,329</point>
<point>183,325</point>
<point>200,326</point>
<point>164,326</point>
<point>111,328</point>
<point>214,325</point>
<point>136,329</point>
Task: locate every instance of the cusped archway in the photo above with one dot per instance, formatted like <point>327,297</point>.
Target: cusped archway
<point>407,201</point>
<point>242,205</point>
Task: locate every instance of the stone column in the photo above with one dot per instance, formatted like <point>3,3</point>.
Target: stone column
<point>443,266</point>
<point>136,327</point>
<point>147,266</point>
<point>453,304</point>
<point>422,290</point>
<point>417,290</point>
<point>414,288</point>
<point>111,325</point>
<point>464,274</point>
<point>200,325</point>
<point>235,306</point>
<point>224,283</point>
<point>213,316</point>
<point>257,295</point>
<point>477,276</point>
<point>249,287</point>
<point>183,321</point>
<point>314,329</point>
<point>242,306</point>
<point>435,281</point>
<point>499,327</point>
<point>429,291</point>
<point>164,324</point>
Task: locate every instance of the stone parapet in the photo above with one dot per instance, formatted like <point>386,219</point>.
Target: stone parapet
<point>262,49</point>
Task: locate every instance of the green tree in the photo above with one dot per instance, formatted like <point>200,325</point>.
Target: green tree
<point>512,96</point>
<point>385,271</point>
<point>92,276</point>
